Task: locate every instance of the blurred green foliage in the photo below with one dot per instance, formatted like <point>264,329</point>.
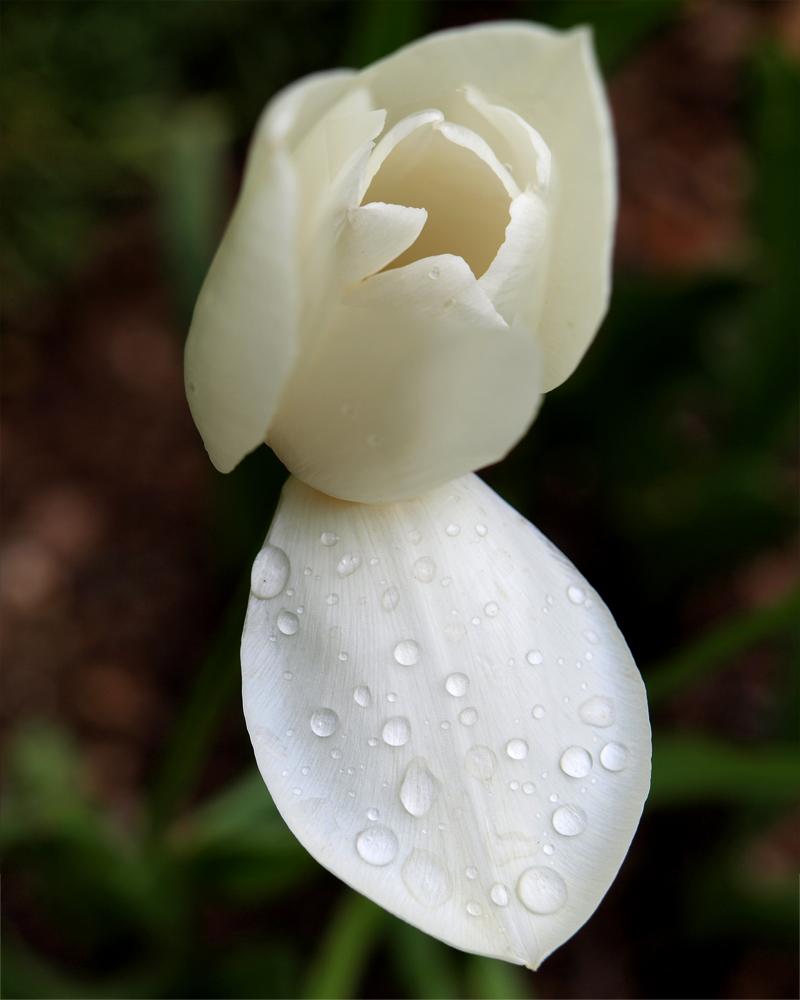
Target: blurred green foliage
<point>106,105</point>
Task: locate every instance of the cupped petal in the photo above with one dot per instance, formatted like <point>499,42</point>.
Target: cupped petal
<point>401,394</point>
<point>244,334</point>
<point>550,79</point>
<point>372,236</point>
<point>445,713</point>
<point>520,266</point>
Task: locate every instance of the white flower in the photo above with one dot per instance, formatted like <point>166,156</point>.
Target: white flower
<point>386,316</point>
<point>444,711</point>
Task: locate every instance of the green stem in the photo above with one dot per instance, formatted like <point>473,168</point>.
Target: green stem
<point>713,650</point>
<point>214,688</point>
<point>349,940</point>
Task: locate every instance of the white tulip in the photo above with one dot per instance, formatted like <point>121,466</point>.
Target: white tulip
<point>444,711</point>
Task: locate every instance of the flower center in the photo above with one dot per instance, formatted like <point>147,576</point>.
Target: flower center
<point>466,200</point>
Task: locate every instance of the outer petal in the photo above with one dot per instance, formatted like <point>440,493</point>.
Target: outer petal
<point>403,392</point>
<point>551,80</point>
<point>445,713</point>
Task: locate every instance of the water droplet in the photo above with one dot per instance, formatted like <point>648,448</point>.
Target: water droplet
<point>517,749</point>
<point>589,602</point>
<point>499,894</point>
<point>434,273</point>
<point>391,696</point>
<point>374,561</point>
<point>529,788</point>
<point>588,655</point>
<point>569,821</point>
<point>427,879</point>
<point>419,790</point>
<point>288,623</point>
<point>424,569</point>
<point>407,652</point>
<point>306,770</point>
<point>514,786</point>
<point>444,725</point>
<point>324,722</point>
<point>336,754</point>
<point>284,773</point>
<point>592,637</point>
<point>455,632</point>
<point>287,675</point>
<point>332,599</point>
<point>576,594</point>
<point>351,770</point>
<point>615,757</point>
<point>481,762</point>
<point>290,732</point>
<point>446,581</point>
<point>491,610</point>
<point>348,564</point>
<point>482,530</point>
<point>390,599</point>
<point>372,741</point>
<point>576,762</point>
<point>534,657</point>
<point>270,572</point>
<point>372,814</point>
<point>297,791</point>
<point>329,538</point>
<point>598,712</point>
<point>362,696</point>
<point>476,621</point>
<point>377,845</point>
<point>307,571</point>
<point>550,599</point>
<point>548,849</point>
<point>468,717</point>
<point>397,731</point>
<point>554,797</point>
<point>538,711</point>
<point>343,656</point>
<point>541,890</point>
<point>471,872</point>
<point>584,687</point>
<point>453,530</point>
<point>300,609</point>
<point>457,685</point>
<point>474,908</point>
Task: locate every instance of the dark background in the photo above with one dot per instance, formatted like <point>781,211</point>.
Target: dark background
<point>142,854</point>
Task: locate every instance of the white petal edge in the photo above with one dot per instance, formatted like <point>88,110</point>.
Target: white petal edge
<point>372,236</point>
<point>430,684</point>
<point>551,80</point>
<point>401,393</point>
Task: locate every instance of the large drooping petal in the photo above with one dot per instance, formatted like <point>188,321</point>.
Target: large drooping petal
<point>445,713</point>
<point>417,380</point>
<point>550,80</point>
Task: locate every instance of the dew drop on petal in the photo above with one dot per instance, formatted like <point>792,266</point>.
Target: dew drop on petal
<point>576,762</point>
<point>329,538</point>
<point>542,890</point>
<point>534,657</point>
<point>517,749</point>
<point>491,610</point>
<point>615,757</point>
<point>377,845</point>
<point>407,652</point>
<point>420,789</point>
<point>348,564</point>
<point>474,908</point>
<point>481,762</point>
<point>424,569</point>
<point>362,696</point>
<point>538,711</point>
<point>397,731</point>
<point>592,637</point>
<point>453,530</point>
<point>427,879</point>
<point>457,685</point>
<point>332,599</point>
<point>270,572</point>
<point>529,788</point>
<point>471,872</point>
<point>434,273</point>
<point>468,717</point>
<point>482,530</point>
<point>577,595</point>
<point>324,722</point>
<point>548,849</point>
<point>390,599</point>
<point>499,894</point>
<point>288,623</point>
<point>569,821</point>
<point>372,814</point>
<point>415,537</point>
<point>598,712</point>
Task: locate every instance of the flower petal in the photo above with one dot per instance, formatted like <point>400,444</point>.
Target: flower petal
<point>402,392</point>
<point>241,345</point>
<point>551,80</point>
<point>372,236</point>
<point>445,713</point>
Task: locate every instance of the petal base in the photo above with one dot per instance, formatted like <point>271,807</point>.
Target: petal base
<point>432,694</point>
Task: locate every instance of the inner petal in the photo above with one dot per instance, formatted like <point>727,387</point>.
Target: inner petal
<point>466,201</point>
